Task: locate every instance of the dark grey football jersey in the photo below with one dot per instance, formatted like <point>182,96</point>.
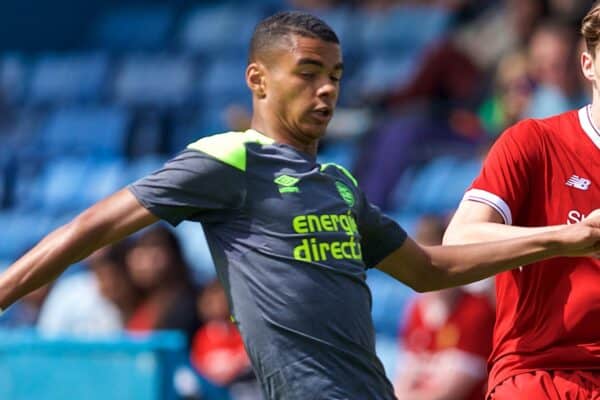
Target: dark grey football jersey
<point>291,240</point>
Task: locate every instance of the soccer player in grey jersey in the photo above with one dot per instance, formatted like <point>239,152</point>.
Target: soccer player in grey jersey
<point>291,239</point>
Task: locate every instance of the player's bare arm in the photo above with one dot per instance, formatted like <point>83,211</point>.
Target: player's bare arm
<point>475,222</point>
<point>108,221</point>
<point>427,268</point>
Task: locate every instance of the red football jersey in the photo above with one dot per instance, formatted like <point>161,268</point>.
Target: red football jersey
<point>462,340</point>
<point>539,173</point>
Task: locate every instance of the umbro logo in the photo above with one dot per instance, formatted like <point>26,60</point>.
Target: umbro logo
<point>577,182</point>
<point>287,184</point>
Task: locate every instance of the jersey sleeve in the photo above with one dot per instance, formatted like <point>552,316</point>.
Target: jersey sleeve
<point>508,171</point>
<point>380,235</point>
<point>190,185</point>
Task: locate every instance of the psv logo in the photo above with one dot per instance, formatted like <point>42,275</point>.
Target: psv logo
<point>577,182</point>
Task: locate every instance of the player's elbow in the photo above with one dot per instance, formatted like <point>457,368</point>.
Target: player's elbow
<point>429,279</point>
<point>455,234</point>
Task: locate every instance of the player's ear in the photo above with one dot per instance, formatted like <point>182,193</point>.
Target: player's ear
<point>255,79</point>
<point>587,66</point>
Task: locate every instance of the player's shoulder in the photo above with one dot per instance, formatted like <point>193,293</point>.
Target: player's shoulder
<point>542,128</point>
<point>229,147</point>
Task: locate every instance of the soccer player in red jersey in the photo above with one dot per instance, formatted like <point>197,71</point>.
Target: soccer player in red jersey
<point>446,338</point>
<point>543,173</point>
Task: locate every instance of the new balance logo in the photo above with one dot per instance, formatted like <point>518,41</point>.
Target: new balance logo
<point>578,183</point>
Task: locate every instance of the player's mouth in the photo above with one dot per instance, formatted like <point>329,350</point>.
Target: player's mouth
<point>322,114</point>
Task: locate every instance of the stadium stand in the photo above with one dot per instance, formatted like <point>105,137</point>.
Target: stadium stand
<point>83,117</point>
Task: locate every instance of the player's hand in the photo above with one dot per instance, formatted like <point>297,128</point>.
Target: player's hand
<point>581,239</point>
<point>593,220</point>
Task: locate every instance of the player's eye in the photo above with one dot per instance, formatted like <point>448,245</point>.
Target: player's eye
<point>308,74</point>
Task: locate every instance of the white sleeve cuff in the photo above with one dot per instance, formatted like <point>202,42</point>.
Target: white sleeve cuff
<point>492,200</point>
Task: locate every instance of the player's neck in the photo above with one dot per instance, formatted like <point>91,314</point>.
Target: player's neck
<point>282,135</point>
<point>595,107</point>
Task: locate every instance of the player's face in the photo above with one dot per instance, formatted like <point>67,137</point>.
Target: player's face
<point>302,86</point>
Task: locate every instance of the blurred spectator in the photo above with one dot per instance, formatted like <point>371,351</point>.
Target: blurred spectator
<point>554,68</point>
<point>76,304</point>
<point>25,313</point>
<point>499,30</point>
<point>571,11</point>
<point>156,266</point>
<point>431,115</point>
<point>510,96</point>
<point>114,283</point>
<point>218,352</point>
<point>447,75</point>
<point>446,339</point>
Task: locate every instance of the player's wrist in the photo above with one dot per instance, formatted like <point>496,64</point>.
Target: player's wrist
<point>575,240</point>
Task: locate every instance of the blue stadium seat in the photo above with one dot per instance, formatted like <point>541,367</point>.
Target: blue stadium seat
<point>71,184</point>
<point>344,22</point>
<point>196,250</point>
<point>404,29</point>
<point>461,178</point>
<point>134,28</point>
<point>4,182</point>
<point>388,350</point>
<point>223,83</point>
<point>389,300</point>
<point>102,178</point>
<point>187,128</point>
<point>20,231</point>
<point>4,263</point>
<point>382,71</point>
<point>70,78</point>
<point>13,78</point>
<point>342,152</point>
<point>142,167</point>
<point>439,186</point>
<point>433,179</point>
<point>220,29</point>
<point>154,80</point>
<point>407,221</point>
<point>85,130</point>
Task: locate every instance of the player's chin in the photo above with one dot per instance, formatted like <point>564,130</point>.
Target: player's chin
<point>315,130</point>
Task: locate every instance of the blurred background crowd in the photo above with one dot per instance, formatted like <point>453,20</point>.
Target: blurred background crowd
<point>96,94</point>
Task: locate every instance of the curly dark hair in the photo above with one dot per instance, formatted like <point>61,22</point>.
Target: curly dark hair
<point>283,24</point>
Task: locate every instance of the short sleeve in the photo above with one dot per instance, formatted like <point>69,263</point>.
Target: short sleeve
<point>380,235</point>
<point>190,185</point>
<point>506,175</point>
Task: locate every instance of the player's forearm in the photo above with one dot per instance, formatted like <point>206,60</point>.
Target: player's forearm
<point>48,259</point>
<point>459,265</point>
<point>475,232</point>
<point>106,222</point>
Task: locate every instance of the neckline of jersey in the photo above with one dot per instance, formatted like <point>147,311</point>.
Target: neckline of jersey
<point>272,142</point>
<point>587,124</point>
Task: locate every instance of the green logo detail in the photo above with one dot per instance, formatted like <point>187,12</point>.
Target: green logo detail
<point>287,184</point>
<point>346,193</point>
<point>286,180</point>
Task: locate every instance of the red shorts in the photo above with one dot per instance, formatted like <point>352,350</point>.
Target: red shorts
<point>549,385</point>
